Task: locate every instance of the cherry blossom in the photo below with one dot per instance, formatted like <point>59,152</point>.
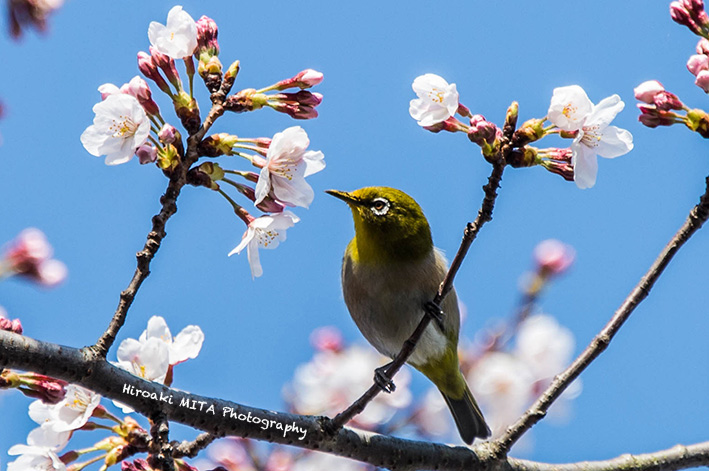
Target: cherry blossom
<point>264,232</point>
<point>437,100</point>
<point>332,380</point>
<point>30,255</point>
<point>178,37</point>
<point>287,164</point>
<point>70,413</point>
<point>182,347</point>
<point>571,110</point>
<point>120,127</point>
<point>40,453</point>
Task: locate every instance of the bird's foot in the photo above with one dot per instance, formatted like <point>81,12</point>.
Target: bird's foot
<point>436,314</point>
<point>383,380</point>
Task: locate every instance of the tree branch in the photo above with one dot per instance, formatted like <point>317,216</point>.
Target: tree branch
<point>697,216</point>
<point>677,457</point>
<point>228,418</point>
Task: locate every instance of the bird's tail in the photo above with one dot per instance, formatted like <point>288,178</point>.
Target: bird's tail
<point>467,416</point>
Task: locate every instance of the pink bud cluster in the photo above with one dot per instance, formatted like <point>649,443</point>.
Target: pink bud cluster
<point>553,257</point>
<point>47,389</point>
<point>698,65</point>
<point>691,14</point>
<point>657,105</point>
<point>30,256</point>
<point>150,65</point>
<point>557,160</point>
<point>297,105</point>
<point>10,325</point>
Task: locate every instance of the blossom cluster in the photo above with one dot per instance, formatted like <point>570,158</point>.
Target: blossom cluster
<point>29,256</point>
<point>571,113</point>
<point>659,107</point>
<point>62,409</point>
<point>128,122</point>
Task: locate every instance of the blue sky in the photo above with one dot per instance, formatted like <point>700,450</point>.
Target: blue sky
<point>647,392</point>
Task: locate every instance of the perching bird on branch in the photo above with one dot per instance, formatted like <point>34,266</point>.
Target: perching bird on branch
<point>390,273</point>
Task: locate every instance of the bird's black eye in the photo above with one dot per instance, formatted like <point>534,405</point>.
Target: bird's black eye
<point>380,206</point>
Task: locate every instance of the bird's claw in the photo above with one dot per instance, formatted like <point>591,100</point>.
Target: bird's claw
<point>383,380</point>
<point>436,314</point>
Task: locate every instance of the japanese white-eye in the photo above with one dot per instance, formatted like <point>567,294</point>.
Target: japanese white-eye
<point>390,272</point>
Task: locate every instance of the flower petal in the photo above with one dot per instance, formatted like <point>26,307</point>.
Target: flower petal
<point>604,112</point>
<point>569,107</point>
<point>254,261</point>
<point>585,165</point>
<point>186,344</point>
<point>615,142</point>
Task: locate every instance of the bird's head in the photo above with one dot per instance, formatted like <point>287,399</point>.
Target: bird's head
<point>389,225</point>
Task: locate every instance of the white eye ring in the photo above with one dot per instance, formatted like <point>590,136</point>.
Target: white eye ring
<point>380,206</point>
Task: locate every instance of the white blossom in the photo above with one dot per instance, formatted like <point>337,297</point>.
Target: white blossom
<point>182,347</point>
<point>178,37</point>
<point>331,381</point>
<point>437,100</point>
<point>288,162</point>
<point>69,414</point>
<point>120,127</point>
<point>571,110</point>
<point>264,232</point>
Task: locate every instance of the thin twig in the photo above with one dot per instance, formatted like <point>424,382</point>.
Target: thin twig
<point>697,216</point>
<point>190,449</point>
<point>157,233</point>
<point>144,257</point>
<point>471,231</point>
<point>677,457</point>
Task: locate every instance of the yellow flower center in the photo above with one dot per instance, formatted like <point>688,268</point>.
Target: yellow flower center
<point>436,95</point>
<point>591,137</point>
<point>265,238</point>
<point>569,110</point>
<point>123,127</point>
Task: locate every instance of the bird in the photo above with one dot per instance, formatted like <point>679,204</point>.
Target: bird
<point>390,273</point>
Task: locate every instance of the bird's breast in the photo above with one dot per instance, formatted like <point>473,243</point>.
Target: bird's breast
<point>386,302</point>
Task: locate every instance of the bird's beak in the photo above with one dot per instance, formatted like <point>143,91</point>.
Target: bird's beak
<point>344,196</point>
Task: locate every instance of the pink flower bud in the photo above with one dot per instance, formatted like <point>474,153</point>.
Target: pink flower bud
<point>696,63</point>
<point>167,134</point>
<point>295,110</point>
<point>10,326</point>
<point>207,32</point>
<point>147,67</point>
<point>482,131</point>
<point>308,78</point>
<point>665,101</point>
<point>702,80</point>
<point>29,256</point>
<point>147,154</point>
<point>563,169</point>
<point>646,91</point>
<point>553,257</point>
<point>652,117</point>
<point>703,47</point>
<point>49,390</point>
<point>167,65</point>
<point>325,339</point>
<point>137,465</point>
